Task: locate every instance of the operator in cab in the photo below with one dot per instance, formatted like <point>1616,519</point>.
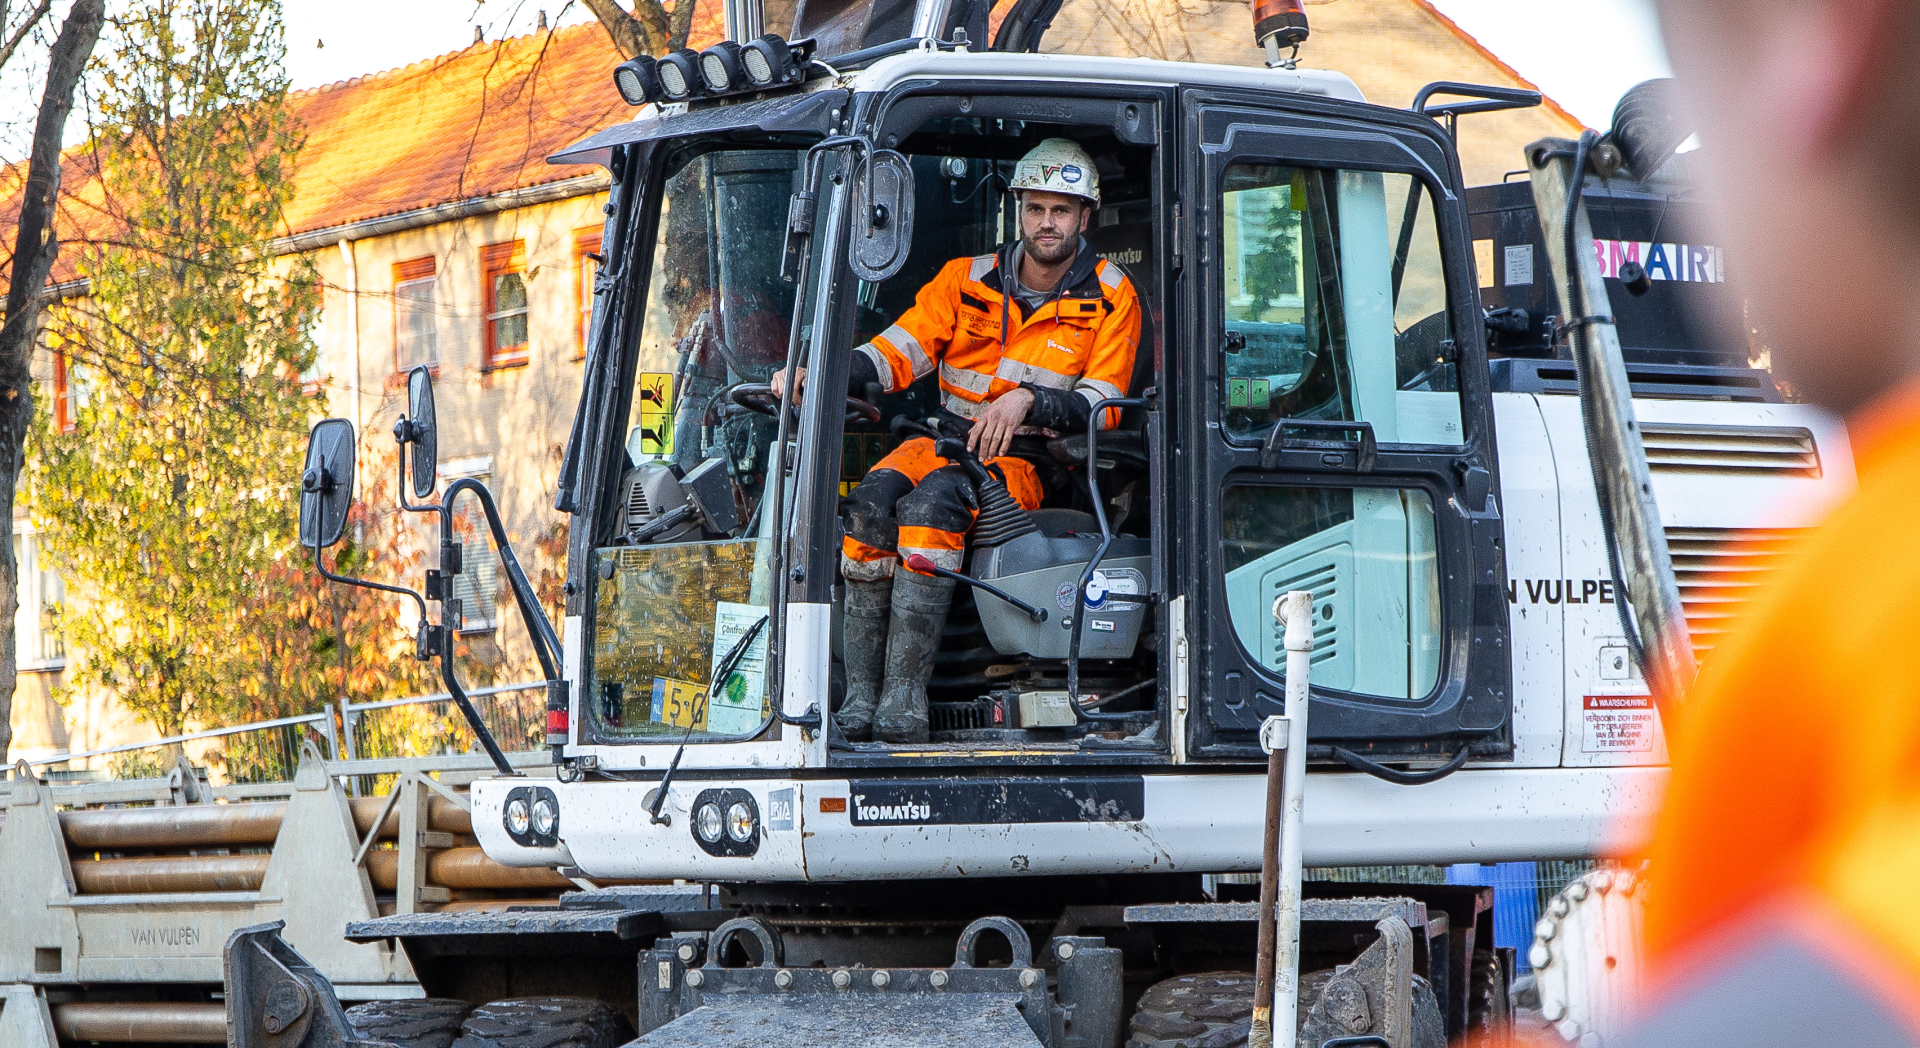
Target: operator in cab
<point>1026,341</point>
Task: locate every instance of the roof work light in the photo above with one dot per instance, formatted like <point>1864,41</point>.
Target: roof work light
<point>680,75</point>
<point>770,61</point>
<point>637,80</point>
<point>726,68</point>
<point>720,67</point>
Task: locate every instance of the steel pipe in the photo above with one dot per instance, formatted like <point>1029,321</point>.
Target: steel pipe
<point>1296,613</point>
<point>442,814</point>
<point>466,867</point>
<point>170,873</point>
<point>225,825</point>
<point>145,1022</point>
<point>173,826</point>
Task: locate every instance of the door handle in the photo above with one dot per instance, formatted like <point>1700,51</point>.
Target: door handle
<point>1276,440</point>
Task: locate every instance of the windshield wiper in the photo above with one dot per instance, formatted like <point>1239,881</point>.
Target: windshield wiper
<point>720,676</point>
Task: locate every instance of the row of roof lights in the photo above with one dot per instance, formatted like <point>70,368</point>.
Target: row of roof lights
<point>725,68</point>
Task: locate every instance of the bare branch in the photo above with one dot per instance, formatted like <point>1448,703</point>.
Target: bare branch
<point>630,36</point>
<point>33,19</point>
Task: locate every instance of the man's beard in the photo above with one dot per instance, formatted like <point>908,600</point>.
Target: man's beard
<point>1065,250</point>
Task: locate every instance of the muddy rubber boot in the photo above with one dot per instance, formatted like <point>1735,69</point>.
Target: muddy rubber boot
<point>920,604</point>
<point>868,606</point>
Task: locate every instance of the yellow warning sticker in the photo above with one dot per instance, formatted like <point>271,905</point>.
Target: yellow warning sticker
<point>1483,261</point>
<point>656,413</point>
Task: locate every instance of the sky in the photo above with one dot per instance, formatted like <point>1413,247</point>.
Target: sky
<point>1582,53</point>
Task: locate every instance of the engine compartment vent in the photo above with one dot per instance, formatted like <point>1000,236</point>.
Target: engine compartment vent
<point>638,512</point>
<point>1323,581</point>
<point>1743,451</point>
<point>1717,570</point>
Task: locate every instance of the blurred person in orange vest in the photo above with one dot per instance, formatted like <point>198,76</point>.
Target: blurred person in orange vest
<point>1788,848</point>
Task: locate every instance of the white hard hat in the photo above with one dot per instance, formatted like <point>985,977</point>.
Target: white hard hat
<point>1058,165</point>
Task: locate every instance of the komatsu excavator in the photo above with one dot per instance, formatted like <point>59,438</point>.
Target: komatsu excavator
<point>1359,380</point>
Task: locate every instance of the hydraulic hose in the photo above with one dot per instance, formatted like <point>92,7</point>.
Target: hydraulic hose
<point>1395,775</point>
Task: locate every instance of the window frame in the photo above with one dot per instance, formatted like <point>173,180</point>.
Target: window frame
<point>31,576</point>
<point>1336,331</point>
<point>63,394</point>
<point>498,260</point>
<point>413,272</point>
<point>313,380</point>
<point>586,252</point>
<point>479,576</point>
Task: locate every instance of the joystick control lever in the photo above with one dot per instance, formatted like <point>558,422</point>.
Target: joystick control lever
<point>920,563</point>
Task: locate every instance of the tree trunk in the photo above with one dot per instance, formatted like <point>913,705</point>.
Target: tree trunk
<point>33,256</point>
<point>644,32</point>
<point>681,24</point>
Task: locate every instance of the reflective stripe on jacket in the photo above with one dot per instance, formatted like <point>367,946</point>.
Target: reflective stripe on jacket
<point>1082,338</point>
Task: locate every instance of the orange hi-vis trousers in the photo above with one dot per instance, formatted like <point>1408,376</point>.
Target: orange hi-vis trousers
<point>914,501</point>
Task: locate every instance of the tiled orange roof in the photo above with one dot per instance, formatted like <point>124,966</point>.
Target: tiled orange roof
<point>468,124</point>
<point>473,123</point>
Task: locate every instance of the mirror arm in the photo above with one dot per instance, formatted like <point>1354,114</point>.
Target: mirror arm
<point>546,643</point>
<point>401,492</point>
<point>366,584</point>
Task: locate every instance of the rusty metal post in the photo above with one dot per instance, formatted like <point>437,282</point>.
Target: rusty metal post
<point>1276,986</point>
<point>1261,1034</point>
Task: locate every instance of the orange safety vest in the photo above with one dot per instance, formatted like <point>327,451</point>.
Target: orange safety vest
<point>1082,338</point>
<point>1791,823</point>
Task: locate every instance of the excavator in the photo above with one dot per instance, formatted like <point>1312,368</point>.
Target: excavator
<point>1422,501</point>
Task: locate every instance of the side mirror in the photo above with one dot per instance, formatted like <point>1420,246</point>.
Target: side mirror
<point>422,431</point>
<point>882,216</point>
<point>326,483</point>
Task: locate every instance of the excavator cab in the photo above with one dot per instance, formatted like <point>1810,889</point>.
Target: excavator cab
<point>1308,410</point>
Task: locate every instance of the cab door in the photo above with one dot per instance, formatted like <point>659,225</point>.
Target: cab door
<point>1337,408</point>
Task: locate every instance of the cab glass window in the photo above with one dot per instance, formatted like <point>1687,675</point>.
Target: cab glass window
<point>1366,555</point>
<point>681,592</point>
<point>1335,304</point>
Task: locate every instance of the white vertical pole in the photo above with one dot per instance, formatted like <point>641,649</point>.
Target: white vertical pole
<point>1295,611</point>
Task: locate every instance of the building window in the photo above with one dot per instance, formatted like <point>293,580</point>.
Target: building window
<point>586,269</point>
<point>71,390</point>
<point>478,585</point>
<point>313,380</point>
<point>504,272</point>
<point>416,317</point>
<point>36,626</point>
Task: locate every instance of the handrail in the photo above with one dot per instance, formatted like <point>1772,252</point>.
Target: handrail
<point>210,733</point>
<point>441,696</point>
<point>280,722</point>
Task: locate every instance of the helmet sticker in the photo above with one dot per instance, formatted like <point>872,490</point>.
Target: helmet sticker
<point>1070,174</point>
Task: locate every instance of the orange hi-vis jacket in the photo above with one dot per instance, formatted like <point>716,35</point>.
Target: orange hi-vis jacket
<point>1788,846</point>
<point>1081,340</point>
